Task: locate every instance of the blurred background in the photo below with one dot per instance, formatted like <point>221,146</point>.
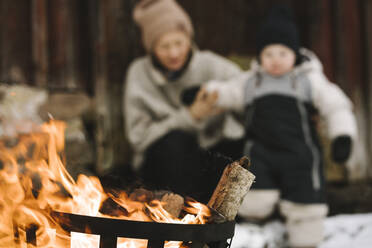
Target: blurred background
<point>78,51</point>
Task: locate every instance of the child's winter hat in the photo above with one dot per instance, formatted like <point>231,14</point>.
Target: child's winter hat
<point>279,28</point>
<point>156,17</point>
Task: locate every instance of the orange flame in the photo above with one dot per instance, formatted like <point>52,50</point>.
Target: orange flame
<point>34,182</point>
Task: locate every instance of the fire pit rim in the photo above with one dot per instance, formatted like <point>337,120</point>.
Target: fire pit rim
<point>140,229</point>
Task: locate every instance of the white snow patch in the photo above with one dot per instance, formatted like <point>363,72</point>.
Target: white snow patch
<point>341,231</point>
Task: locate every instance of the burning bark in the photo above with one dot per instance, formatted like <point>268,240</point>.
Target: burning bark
<point>234,184</point>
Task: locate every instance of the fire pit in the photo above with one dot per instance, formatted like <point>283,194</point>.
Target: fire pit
<point>43,206</point>
<point>195,235</point>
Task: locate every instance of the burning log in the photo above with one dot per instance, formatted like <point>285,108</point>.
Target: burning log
<point>173,203</point>
<point>234,184</point>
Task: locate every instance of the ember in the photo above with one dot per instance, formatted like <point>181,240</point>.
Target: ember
<point>35,187</point>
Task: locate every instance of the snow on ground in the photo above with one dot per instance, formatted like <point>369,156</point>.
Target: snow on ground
<point>341,231</point>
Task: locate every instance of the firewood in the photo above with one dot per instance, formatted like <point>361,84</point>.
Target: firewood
<point>173,203</point>
<point>142,195</point>
<point>234,184</point>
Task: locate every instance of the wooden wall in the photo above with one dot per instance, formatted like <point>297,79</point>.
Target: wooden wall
<point>86,46</point>
<point>342,39</point>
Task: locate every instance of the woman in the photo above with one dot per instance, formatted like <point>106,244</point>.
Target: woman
<point>167,118</point>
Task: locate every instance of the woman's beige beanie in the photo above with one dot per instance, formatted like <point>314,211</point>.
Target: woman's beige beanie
<point>156,17</point>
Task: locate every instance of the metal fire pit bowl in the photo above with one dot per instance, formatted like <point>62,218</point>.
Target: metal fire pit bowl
<point>215,235</point>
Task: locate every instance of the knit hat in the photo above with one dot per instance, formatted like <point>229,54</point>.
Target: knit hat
<point>156,17</point>
<point>279,28</point>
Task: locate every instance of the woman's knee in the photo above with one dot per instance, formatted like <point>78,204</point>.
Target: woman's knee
<point>173,143</point>
<point>170,157</point>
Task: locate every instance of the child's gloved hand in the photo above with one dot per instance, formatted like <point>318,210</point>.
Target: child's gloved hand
<point>341,148</point>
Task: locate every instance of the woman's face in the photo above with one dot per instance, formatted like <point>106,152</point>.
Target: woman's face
<point>172,49</point>
<point>277,59</point>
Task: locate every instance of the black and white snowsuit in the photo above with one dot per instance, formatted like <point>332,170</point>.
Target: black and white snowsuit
<point>281,135</point>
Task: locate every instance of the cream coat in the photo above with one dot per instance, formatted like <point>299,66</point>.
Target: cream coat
<point>152,105</point>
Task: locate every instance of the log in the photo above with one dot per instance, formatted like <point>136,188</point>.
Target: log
<point>234,184</point>
<point>173,203</point>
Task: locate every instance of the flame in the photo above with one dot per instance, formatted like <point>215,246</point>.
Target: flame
<point>34,183</point>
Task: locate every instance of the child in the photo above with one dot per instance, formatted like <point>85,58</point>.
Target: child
<point>279,96</point>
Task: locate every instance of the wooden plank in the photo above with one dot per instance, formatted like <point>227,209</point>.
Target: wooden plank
<point>62,47</point>
<point>367,7</point>
<point>115,47</point>
<point>349,75</point>
<point>40,42</point>
<point>353,44</point>
<point>123,48</point>
<point>104,132</point>
<point>354,80</point>
<point>15,36</point>
<point>83,44</point>
<point>322,36</point>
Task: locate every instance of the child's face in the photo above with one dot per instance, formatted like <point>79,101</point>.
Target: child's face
<point>277,59</point>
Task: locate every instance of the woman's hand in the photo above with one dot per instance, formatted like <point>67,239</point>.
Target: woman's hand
<point>204,105</point>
